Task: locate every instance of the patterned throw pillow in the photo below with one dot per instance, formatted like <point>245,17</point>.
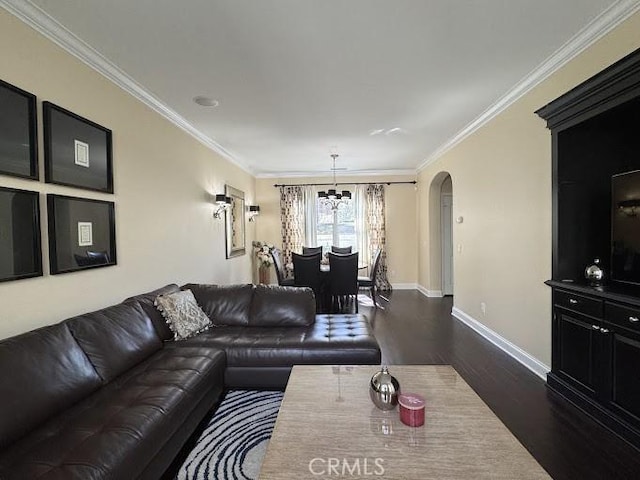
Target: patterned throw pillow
<point>182,313</point>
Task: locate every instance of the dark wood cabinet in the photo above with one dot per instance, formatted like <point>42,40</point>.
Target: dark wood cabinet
<point>578,346</point>
<point>622,387</point>
<point>596,353</point>
<point>595,329</point>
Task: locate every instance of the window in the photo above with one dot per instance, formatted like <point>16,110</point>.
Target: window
<point>335,227</point>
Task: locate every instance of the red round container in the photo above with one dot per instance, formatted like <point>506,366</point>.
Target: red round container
<point>411,409</point>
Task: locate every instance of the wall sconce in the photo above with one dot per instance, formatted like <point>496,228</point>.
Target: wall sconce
<point>223,202</point>
<point>630,208</point>
<point>254,211</point>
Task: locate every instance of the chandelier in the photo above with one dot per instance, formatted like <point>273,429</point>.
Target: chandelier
<point>332,197</point>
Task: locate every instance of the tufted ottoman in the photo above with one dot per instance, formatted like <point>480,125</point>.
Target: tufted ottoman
<point>262,357</point>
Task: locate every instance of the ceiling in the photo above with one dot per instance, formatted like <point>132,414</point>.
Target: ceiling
<point>387,83</point>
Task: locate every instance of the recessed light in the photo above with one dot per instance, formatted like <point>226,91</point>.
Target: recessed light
<point>206,101</point>
<point>393,130</point>
<point>377,131</point>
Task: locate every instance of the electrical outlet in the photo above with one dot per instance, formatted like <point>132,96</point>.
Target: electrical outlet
<point>483,307</point>
<point>459,248</point>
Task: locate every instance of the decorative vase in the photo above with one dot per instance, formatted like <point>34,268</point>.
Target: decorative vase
<point>384,389</point>
<point>594,274</point>
<point>263,274</point>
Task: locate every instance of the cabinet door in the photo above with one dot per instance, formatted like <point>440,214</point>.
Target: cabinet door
<point>623,380</point>
<point>578,343</point>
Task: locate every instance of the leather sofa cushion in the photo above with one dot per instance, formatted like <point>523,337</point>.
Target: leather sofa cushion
<point>278,306</point>
<point>146,301</point>
<point>224,304</point>
<point>116,432</point>
<point>115,338</point>
<point>44,372</point>
<point>332,339</point>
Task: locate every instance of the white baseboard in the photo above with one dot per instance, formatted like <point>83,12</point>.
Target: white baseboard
<point>429,293</point>
<point>532,363</point>
<point>404,286</point>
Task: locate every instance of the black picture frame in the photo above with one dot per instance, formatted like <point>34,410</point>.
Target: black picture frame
<point>82,233</point>
<point>77,151</point>
<point>20,247</point>
<point>18,132</point>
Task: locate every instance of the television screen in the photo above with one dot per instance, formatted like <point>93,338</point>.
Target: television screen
<point>625,221</point>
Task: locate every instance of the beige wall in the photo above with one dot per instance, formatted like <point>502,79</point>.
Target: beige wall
<point>401,220</point>
<point>502,187</point>
<point>163,179</point>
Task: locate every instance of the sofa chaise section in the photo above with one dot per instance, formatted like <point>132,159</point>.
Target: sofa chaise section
<point>276,329</point>
<point>98,397</point>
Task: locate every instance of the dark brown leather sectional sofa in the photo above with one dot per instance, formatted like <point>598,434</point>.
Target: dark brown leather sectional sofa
<point>109,395</point>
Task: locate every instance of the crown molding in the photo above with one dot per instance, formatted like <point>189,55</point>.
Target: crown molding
<point>40,21</point>
<point>355,173</point>
<point>587,36</point>
<point>46,25</point>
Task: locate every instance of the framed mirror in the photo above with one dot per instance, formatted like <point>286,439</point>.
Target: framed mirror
<point>234,222</point>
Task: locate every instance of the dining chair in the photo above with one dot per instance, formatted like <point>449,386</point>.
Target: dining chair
<point>343,279</point>
<point>370,281</point>
<point>341,249</point>
<point>280,271</point>
<point>311,250</point>
<point>306,273</point>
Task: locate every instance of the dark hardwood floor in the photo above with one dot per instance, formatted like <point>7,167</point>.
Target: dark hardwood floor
<point>414,329</point>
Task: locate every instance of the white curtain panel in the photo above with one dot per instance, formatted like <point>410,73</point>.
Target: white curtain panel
<point>310,194</point>
<point>362,237</point>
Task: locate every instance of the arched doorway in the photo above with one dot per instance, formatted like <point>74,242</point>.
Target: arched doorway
<point>441,279</point>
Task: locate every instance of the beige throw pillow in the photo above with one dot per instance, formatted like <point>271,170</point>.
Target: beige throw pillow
<point>182,313</point>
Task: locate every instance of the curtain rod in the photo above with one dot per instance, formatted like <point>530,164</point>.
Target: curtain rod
<point>412,182</point>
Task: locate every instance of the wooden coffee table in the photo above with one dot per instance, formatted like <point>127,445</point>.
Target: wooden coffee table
<point>327,427</point>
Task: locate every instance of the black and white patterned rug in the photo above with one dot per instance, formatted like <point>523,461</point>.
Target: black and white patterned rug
<point>234,443</point>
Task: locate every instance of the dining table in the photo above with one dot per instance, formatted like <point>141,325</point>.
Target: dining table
<point>324,271</point>
<point>324,267</point>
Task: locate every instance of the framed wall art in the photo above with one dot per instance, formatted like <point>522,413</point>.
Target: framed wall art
<point>82,233</point>
<point>77,151</point>
<point>18,132</point>
<point>20,253</point>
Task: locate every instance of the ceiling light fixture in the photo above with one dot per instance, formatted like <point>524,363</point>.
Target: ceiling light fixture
<point>206,101</point>
<point>332,197</point>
